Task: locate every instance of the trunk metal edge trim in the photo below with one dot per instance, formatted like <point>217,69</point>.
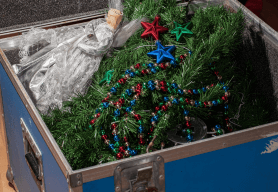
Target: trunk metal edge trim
<point>47,136</point>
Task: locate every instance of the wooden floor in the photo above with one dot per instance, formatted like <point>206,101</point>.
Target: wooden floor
<point>4,183</point>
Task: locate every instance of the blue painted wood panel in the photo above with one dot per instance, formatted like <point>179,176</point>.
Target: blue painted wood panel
<point>14,109</point>
<point>243,168</point>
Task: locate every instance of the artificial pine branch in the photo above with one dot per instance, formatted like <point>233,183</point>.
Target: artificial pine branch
<point>216,34</point>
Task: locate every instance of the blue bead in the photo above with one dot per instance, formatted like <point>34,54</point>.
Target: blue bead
<point>133,152</point>
<point>196,103</point>
<point>128,148</point>
<point>111,146</point>
<point>150,65</point>
<point>128,91</point>
<point>153,70</point>
<point>189,137</point>
<point>128,109</point>
<point>113,89</point>
<point>195,91</point>
<point>173,62</point>
<point>117,113</point>
<point>155,118</point>
<point>150,82</point>
<point>180,91</point>
<point>151,87</point>
<point>174,85</point>
<point>132,102</point>
<point>204,89</point>
<point>217,127</point>
<point>166,99</point>
<point>127,71</point>
<point>190,52</point>
<point>175,101</point>
<point>105,104</point>
<point>116,138</point>
<point>226,106</point>
<point>215,103</point>
<point>97,110</point>
<point>132,74</point>
<point>186,113</point>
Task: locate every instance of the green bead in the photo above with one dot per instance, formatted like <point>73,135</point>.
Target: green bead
<point>218,85</point>
<point>91,117</point>
<point>219,132</point>
<point>199,91</point>
<point>140,122</point>
<point>115,151</point>
<point>182,106</point>
<point>159,112</point>
<point>85,128</point>
<point>150,137</point>
<point>144,87</point>
<point>124,108</point>
<point>160,104</point>
<point>122,76</point>
<point>168,84</point>
<point>213,68</point>
<point>189,131</point>
<point>124,95</point>
<point>226,113</point>
<point>138,148</point>
<point>169,90</point>
<point>144,65</point>
<point>175,91</point>
<point>102,132</point>
<point>157,68</point>
<point>181,100</point>
<point>117,144</point>
<point>115,119</point>
<point>118,85</point>
<point>177,59</point>
<point>137,72</point>
<point>201,104</point>
<point>220,101</point>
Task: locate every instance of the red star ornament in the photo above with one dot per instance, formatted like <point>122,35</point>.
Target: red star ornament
<point>153,29</point>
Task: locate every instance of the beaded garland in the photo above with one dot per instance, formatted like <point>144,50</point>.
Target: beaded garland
<point>159,110</point>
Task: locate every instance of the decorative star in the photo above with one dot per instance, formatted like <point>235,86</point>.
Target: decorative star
<point>153,29</point>
<point>181,29</point>
<point>162,53</point>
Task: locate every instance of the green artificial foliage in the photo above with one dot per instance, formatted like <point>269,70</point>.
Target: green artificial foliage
<point>216,34</point>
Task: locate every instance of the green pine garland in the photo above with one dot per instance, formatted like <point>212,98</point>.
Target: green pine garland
<point>217,34</point>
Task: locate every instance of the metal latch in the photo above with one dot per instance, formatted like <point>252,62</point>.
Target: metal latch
<point>33,156</point>
<point>141,175</point>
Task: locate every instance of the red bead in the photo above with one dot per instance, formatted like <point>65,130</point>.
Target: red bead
<point>230,129</point>
<point>137,66</point>
<point>224,98</point>
<point>104,100</point>
<point>151,129</point>
<point>113,126</point>
<point>125,139</point>
<point>227,119</point>
<point>188,124</point>
<point>122,149</point>
<point>187,100</point>
<point>163,83</point>
<point>144,71</point>
<point>122,81</point>
<point>98,115</point>
<point>216,72</point>
<point>164,107</point>
<point>182,57</point>
<point>211,85</point>
<point>126,114</point>
<point>163,66</point>
<point>141,141</point>
<point>205,103</point>
<point>104,137</point>
<point>92,121</point>
<point>139,85</point>
<point>138,91</point>
<point>156,108</point>
<point>121,101</point>
<point>190,91</point>
<point>164,89</point>
<point>137,117</point>
<point>119,156</point>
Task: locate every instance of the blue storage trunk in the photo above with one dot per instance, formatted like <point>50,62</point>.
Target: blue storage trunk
<point>241,161</point>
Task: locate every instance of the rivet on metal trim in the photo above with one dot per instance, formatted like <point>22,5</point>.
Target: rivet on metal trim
<point>117,188</point>
<point>119,168</point>
<point>158,158</point>
<point>161,177</point>
<point>79,183</point>
<point>78,176</point>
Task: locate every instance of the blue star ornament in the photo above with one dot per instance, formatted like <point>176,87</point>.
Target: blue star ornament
<point>162,53</point>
